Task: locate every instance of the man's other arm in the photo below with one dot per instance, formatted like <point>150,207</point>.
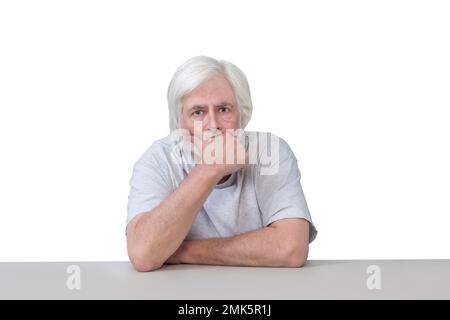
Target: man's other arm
<point>284,243</point>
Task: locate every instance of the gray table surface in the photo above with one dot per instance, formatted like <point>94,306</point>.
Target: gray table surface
<point>319,279</point>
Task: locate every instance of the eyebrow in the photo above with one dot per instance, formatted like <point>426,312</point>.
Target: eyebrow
<point>201,106</point>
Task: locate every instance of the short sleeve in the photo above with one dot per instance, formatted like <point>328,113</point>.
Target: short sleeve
<point>148,185</point>
<point>279,193</point>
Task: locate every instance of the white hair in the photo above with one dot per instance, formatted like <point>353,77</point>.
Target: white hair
<point>199,69</point>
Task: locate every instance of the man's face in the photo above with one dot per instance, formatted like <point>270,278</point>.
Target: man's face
<point>211,104</point>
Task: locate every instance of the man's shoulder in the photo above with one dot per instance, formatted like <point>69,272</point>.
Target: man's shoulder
<point>161,144</point>
<point>158,151</point>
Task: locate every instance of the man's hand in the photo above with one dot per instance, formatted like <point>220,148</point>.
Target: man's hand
<point>221,154</point>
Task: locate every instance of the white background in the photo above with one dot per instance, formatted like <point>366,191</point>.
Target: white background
<point>359,89</point>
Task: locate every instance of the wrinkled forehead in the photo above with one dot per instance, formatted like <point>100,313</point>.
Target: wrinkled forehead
<point>212,92</point>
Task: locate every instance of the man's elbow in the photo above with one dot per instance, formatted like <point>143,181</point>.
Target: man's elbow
<point>145,266</point>
<point>143,263</point>
<point>142,256</point>
<point>296,256</point>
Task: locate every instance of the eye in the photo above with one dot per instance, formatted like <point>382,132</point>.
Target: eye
<point>197,113</point>
<point>224,109</point>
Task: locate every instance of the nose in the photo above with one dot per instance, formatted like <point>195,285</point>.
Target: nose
<point>211,120</point>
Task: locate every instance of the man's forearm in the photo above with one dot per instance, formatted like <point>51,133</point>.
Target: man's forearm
<point>154,236</point>
<point>263,247</point>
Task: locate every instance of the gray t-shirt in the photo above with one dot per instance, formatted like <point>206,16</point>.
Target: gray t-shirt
<point>250,199</point>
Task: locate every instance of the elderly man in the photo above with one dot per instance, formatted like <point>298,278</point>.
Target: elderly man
<point>220,202</point>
